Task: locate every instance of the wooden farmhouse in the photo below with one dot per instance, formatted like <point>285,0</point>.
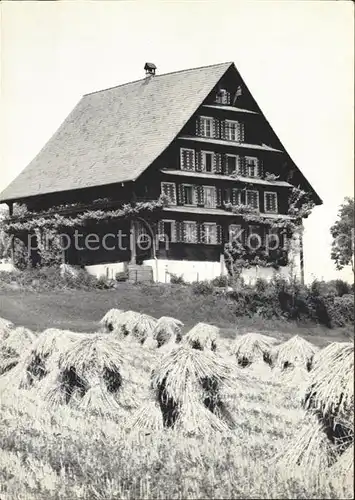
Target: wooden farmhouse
<point>196,136</point>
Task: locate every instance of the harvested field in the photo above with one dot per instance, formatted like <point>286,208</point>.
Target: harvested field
<point>113,415</point>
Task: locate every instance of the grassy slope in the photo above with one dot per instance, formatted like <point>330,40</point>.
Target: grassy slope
<point>82,310</point>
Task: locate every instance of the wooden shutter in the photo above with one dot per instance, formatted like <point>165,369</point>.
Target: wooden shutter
<point>219,234</point>
<point>217,163</point>
<point>173,231</point>
<point>219,201</point>
<point>243,166</point>
<point>239,165</point>
<point>198,161</point>
<point>223,129</point>
<point>181,195</point>
<point>160,229</point>
<point>200,195</point>
<point>241,132</point>
<point>179,231</point>
<point>198,126</point>
<point>216,132</point>
<point>200,232</point>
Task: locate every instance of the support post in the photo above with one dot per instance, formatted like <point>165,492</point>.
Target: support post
<point>133,242</point>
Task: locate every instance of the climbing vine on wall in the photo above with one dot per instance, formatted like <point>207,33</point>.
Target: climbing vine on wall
<point>52,219</point>
<point>44,229</point>
<point>239,255</point>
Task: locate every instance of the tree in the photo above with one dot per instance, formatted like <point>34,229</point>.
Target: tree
<point>342,231</point>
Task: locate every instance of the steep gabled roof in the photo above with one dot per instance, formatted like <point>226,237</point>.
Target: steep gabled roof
<point>113,135</point>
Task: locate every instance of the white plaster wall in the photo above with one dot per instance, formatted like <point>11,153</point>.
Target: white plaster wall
<point>107,270</point>
<point>189,270</point>
<point>267,273</point>
<point>199,270</point>
<point>6,265</point>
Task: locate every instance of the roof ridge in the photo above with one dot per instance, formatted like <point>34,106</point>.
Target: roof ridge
<point>158,76</point>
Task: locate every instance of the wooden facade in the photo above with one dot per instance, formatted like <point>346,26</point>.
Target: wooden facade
<point>220,158</point>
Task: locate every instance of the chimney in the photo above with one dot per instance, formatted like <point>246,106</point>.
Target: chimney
<point>150,69</point>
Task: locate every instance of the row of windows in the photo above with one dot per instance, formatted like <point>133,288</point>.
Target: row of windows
<point>211,197</point>
<point>229,130</point>
<point>210,233</point>
<point>227,164</point>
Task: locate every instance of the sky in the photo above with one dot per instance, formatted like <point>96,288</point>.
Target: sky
<point>297,58</point>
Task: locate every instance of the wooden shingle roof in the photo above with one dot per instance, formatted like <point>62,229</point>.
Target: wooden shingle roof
<point>113,135</point>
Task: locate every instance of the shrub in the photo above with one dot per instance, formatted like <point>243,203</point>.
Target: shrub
<point>202,288</point>
<point>221,281</point>
<point>50,278</point>
<point>176,279</point>
<point>341,311</point>
<point>342,287</point>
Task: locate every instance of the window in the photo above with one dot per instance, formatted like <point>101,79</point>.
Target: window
<point>235,232</point>
<point>236,196</point>
<point>227,195</point>
<point>167,230</point>
<point>209,233</point>
<point>189,193</point>
<point>251,166</point>
<point>223,97</point>
<point>231,164</point>
<point>209,196</point>
<point>206,126</point>
<point>190,231</point>
<point>187,159</point>
<point>270,202</point>
<point>252,199</point>
<point>207,158</point>
<point>233,131</point>
<point>169,189</point>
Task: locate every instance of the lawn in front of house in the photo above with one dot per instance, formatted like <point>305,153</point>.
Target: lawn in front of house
<point>81,310</point>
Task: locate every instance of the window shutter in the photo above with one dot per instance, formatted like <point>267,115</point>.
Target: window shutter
<point>219,234</point>
<point>217,166</point>
<point>198,161</point>
<point>236,197</point>
<point>216,128</point>
<point>219,201</point>
<point>223,129</point>
<point>200,195</point>
<point>260,164</point>
<point>173,231</point>
<point>179,231</point>
<point>160,228</point>
<point>183,158</point>
<point>181,199</point>
<point>198,126</point>
<point>200,233</point>
<point>184,231</point>
<point>194,232</point>
<point>241,132</point>
<point>243,166</point>
<point>195,195</point>
<point>239,165</point>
